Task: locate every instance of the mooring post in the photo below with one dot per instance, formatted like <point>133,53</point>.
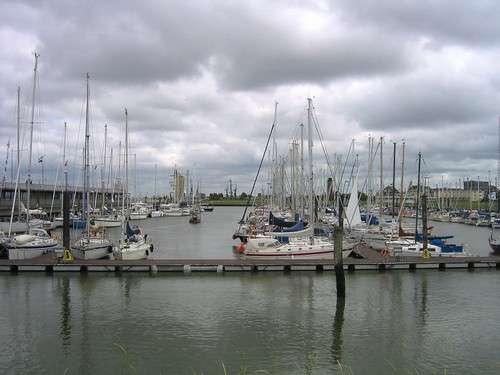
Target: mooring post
<point>351,268</point>
<point>255,268</point>
<point>442,266</point>
<point>84,269</point>
<point>14,268</point>
<point>470,265</point>
<point>425,242</point>
<point>412,267</point>
<point>287,268</point>
<point>49,269</point>
<point>153,268</point>
<point>319,268</point>
<point>339,265</point>
<point>118,269</point>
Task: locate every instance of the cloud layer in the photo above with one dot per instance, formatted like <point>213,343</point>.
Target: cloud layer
<point>200,79</point>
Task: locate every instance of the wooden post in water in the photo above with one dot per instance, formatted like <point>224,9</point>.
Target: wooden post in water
<point>339,265</point>
<point>424,221</point>
<point>65,213</point>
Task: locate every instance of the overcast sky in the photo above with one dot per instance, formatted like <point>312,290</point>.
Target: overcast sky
<point>200,78</point>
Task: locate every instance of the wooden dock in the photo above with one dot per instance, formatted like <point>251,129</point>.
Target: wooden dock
<point>51,264</point>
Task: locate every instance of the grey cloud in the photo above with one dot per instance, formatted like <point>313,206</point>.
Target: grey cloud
<point>471,22</point>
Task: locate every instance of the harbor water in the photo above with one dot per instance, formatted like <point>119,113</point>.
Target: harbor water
<point>423,322</point>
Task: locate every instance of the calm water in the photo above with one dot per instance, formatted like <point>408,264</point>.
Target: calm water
<point>393,322</point>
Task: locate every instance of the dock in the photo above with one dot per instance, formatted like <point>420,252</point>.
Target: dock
<point>51,264</point>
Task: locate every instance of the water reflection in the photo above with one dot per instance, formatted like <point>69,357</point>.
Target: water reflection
<point>65,330</point>
<point>338,324</point>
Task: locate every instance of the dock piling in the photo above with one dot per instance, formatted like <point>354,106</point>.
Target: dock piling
<point>442,266</point>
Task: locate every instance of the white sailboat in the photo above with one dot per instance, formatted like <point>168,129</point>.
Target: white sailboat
<point>35,242</point>
<point>305,246</point>
<point>134,243</point>
<point>93,244</point>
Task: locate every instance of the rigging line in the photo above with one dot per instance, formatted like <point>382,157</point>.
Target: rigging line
<point>260,165</point>
<point>325,152</point>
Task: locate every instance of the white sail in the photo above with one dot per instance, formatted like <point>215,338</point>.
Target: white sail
<point>352,213</point>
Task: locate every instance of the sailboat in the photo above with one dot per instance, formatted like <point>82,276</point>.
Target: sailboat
<point>35,242</point>
<point>93,244</point>
<point>195,211</point>
<point>305,246</point>
<point>106,219</point>
<point>134,243</point>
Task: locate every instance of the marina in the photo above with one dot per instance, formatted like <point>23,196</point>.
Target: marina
<point>249,188</point>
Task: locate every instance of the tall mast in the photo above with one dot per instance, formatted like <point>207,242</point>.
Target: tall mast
<point>120,164</point>
<point>381,204</point>
<point>393,179</point>
<point>103,173</point>
<point>18,118</point>
<point>401,197</point>
<point>418,194</point>
<point>86,183</point>
<point>156,170</point>
<point>31,142</point>
<point>498,169</point>
<point>112,179</point>
<point>126,161</point>
<point>302,189</point>
<point>310,150</point>
<point>135,176</point>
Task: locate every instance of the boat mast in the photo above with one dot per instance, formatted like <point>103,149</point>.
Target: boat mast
<point>302,188</point>
<point>310,151</point>
<point>18,118</point>
<point>381,204</point>
<point>401,195</point>
<point>393,180</point>
<point>156,170</point>
<point>126,165</point>
<point>103,173</point>
<point>418,194</point>
<point>87,160</point>
<point>498,169</point>
<point>31,143</point>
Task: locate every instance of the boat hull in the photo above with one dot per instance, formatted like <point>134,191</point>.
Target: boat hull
<point>107,223</point>
<point>133,251</point>
<point>27,252</point>
<point>92,252</point>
